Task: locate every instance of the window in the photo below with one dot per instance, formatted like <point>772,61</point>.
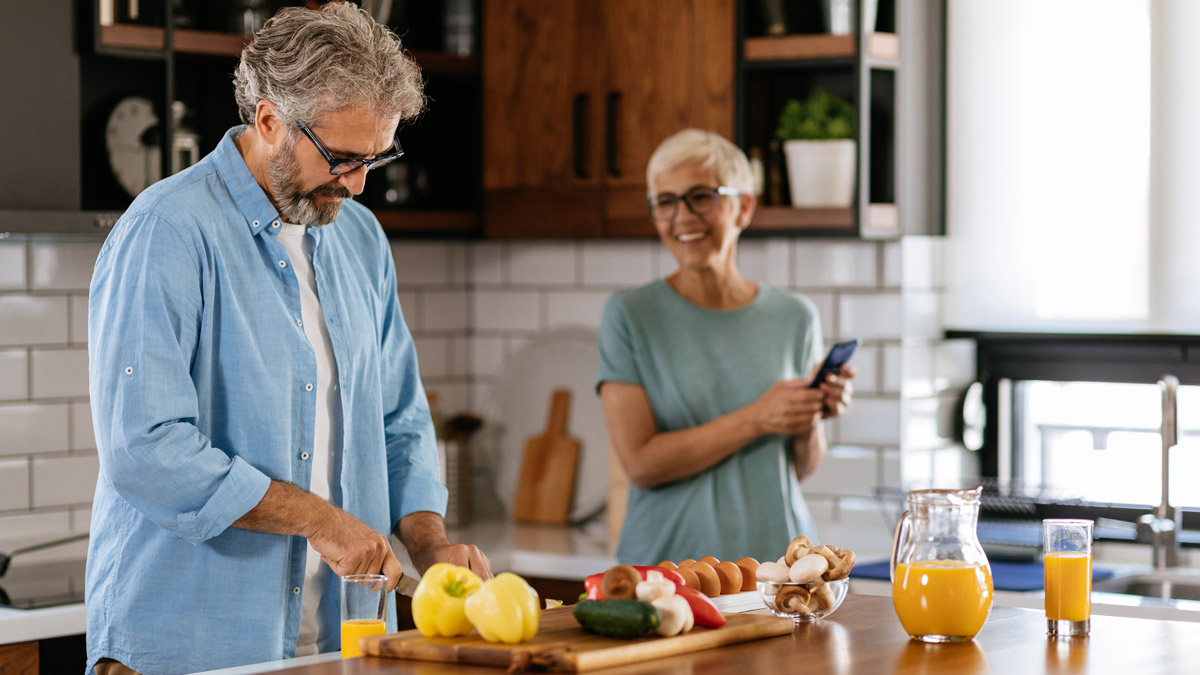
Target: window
<point>1078,416</point>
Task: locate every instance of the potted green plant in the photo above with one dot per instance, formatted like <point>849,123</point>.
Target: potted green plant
<point>818,141</point>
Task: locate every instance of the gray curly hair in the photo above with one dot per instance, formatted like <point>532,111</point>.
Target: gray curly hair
<point>309,63</point>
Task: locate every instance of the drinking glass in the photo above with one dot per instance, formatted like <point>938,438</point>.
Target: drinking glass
<point>1067,547</point>
<point>363,610</point>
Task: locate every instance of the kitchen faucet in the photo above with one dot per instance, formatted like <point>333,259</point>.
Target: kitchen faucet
<point>1162,527</point>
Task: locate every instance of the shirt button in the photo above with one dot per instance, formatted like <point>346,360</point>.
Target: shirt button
<point>275,224</point>
<point>255,223</point>
<point>295,590</point>
<point>308,387</point>
<point>299,322</point>
<point>304,455</point>
<point>282,263</point>
<point>128,370</point>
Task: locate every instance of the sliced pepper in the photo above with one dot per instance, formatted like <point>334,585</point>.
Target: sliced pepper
<point>505,609</point>
<point>704,612</point>
<point>438,604</point>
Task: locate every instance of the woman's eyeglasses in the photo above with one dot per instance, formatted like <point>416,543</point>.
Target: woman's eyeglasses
<point>699,200</point>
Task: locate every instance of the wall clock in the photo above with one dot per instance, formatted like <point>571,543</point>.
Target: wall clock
<point>131,142</point>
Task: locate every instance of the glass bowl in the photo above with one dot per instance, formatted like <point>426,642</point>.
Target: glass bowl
<point>807,605</point>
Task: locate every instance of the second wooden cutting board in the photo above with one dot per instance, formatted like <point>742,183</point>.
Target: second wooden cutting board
<point>562,646</point>
<point>547,480</point>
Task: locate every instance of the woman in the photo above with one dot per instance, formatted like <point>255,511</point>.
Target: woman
<point>702,377</point>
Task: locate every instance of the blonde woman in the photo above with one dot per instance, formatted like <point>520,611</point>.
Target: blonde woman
<point>704,376</point>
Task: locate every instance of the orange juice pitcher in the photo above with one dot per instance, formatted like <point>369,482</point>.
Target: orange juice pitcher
<point>941,580</point>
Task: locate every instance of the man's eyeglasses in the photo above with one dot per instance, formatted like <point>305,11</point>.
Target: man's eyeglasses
<point>699,200</point>
<point>343,165</point>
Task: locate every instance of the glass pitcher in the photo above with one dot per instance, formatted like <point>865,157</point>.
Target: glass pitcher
<point>941,580</point>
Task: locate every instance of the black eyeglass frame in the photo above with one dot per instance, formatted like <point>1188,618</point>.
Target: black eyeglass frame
<point>335,163</point>
<point>720,190</point>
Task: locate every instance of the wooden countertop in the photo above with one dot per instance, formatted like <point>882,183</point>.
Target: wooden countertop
<point>864,637</point>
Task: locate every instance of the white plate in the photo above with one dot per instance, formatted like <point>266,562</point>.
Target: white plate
<point>520,402</point>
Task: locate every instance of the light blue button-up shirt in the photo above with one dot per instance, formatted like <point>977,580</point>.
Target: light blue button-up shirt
<point>203,390</point>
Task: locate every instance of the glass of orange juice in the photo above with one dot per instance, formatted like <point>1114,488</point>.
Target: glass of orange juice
<point>1067,547</point>
<point>364,610</point>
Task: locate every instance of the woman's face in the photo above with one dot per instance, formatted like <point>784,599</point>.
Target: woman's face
<point>699,241</point>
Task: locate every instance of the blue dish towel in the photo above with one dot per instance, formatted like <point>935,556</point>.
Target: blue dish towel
<point>1006,576</point>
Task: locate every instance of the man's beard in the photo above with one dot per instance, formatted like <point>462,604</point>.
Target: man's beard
<point>296,205</point>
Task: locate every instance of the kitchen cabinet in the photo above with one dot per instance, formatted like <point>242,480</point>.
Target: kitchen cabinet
<point>891,72</point>
<point>19,659</point>
<point>186,51</point>
<point>577,95</point>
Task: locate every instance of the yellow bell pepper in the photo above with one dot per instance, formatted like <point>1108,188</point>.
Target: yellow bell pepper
<point>438,603</point>
<point>505,609</point>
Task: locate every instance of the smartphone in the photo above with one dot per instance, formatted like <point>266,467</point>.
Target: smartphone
<point>839,354</point>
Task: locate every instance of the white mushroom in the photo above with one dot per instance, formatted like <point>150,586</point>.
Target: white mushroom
<point>773,573</point>
<point>808,568</point>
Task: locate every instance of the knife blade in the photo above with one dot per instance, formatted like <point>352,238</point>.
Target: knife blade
<point>407,585</point>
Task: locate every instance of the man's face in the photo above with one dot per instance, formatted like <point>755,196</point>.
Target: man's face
<point>300,183</point>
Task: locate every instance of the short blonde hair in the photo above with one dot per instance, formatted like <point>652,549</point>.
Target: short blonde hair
<point>706,149</point>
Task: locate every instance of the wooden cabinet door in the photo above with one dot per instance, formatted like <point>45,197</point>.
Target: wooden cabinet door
<point>541,137</point>
<point>670,65</point>
<point>576,96</point>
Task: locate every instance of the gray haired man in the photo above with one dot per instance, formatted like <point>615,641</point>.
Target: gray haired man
<point>259,415</point>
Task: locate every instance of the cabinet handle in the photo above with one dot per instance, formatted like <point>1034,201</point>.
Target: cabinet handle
<point>580,122</point>
<point>610,146</point>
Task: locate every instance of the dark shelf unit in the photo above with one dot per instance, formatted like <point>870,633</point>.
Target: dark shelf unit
<point>860,67</point>
<point>163,62</point>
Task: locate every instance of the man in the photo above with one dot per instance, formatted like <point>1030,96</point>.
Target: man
<point>249,357</point>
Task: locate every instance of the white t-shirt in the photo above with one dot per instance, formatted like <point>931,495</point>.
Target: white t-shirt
<point>327,436</point>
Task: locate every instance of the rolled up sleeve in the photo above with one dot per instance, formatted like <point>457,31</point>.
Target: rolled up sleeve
<point>144,317</point>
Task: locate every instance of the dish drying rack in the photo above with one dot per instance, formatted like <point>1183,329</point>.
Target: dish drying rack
<point>1010,513</point>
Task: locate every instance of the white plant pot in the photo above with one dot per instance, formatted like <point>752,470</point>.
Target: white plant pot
<point>820,173</point>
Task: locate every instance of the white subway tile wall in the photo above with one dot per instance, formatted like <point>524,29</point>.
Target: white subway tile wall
<point>64,481</point>
<point>58,373</point>
<point>33,319</point>
<point>12,266</point>
<point>14,374</point>
<point>62,266</point>
<point>543,264</point>
<point>618,265</point>
<point>470,306</point>
<point>14,484</point>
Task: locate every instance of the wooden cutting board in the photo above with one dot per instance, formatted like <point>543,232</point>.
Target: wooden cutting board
<point>547,480</point>
<point>562,646</point>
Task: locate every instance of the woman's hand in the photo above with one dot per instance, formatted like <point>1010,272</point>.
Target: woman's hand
<point>838,390</point>
<point>789,407</point>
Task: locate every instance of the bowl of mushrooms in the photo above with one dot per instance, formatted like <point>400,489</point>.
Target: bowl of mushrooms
<point>808,583</point>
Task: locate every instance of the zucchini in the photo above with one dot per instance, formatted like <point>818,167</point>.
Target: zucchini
<point>622,619</point>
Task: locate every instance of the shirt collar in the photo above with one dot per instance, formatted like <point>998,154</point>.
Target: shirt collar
<point>247,194</point>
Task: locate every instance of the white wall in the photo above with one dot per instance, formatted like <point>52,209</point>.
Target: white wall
<point>469,306</point>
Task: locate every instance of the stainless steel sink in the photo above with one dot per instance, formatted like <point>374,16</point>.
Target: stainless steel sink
<point>1163,585</point>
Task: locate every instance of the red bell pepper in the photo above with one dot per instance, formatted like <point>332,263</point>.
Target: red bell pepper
<point>592,583</point>
<point>704,611</point>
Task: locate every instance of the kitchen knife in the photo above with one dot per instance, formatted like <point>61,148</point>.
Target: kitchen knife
<point>407,585</point>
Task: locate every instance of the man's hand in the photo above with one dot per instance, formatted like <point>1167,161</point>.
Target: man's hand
<point>348,546</point>
<point>424,535</point>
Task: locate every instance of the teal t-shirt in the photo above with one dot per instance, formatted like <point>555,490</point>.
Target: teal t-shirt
<point>695,365</point>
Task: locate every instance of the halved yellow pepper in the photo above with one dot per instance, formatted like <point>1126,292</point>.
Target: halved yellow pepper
<point>505,609</point>
<point>438,603</point>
